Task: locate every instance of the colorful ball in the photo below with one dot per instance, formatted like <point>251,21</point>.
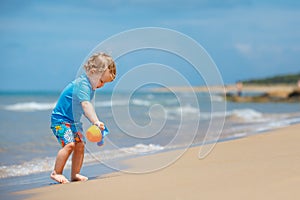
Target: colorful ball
<point>93,134</point>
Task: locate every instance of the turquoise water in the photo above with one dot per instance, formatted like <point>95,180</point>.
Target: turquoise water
<point>139,124</point>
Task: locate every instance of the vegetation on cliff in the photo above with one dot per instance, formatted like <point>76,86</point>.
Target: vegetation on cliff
<point>279,79</point>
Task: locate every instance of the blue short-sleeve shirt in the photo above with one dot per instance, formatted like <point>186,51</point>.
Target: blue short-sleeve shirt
<point>68,108</point>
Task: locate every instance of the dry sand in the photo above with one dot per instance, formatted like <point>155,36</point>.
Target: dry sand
<point>265,166</point>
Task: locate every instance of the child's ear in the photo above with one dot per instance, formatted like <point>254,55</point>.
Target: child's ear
<point>92,71</point>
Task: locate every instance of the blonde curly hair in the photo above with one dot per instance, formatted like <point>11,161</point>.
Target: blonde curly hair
<point>99,62</point>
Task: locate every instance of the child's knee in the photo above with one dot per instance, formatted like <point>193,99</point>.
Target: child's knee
<point>70,147</point>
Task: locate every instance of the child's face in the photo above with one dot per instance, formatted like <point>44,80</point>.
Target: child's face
<point>105,78</point>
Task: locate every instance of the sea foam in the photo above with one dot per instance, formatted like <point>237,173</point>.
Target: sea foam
<point>30,106</point>
<point>39,165</point>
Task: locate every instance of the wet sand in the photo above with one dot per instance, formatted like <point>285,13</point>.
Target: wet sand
<point>264,166</point>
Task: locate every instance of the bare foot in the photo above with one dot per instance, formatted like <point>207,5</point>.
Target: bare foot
<point>59,178</point>
<point>79,177</point>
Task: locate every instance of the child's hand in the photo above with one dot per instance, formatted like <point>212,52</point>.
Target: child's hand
<point>100,125</point>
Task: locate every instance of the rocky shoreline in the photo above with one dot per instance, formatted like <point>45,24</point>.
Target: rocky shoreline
<point>270,96</point>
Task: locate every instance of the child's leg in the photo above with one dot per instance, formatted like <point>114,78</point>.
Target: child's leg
<point>77,160</point>
<point>61,159</point>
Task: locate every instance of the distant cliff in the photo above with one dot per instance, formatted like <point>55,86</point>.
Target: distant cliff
<point>271,95</point>
<point>291,97</point>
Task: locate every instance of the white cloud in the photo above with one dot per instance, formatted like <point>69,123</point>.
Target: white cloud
<point>244,48</point>
<point>261,50</point>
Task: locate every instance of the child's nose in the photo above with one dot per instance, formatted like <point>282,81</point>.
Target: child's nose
<point>100,85</point>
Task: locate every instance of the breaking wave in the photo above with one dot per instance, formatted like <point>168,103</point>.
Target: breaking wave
<point>39,165</point>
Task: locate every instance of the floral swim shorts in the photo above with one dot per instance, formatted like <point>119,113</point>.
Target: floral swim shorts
<point>67,133</point>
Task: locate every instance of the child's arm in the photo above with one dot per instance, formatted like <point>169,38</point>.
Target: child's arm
<point>90,113</point>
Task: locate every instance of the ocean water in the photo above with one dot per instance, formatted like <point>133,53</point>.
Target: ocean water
<point>141,123</point>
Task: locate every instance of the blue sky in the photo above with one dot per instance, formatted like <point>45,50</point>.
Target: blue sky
<point>43,43</point>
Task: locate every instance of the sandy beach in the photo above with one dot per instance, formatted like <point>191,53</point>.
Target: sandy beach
<point>264,166</point>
